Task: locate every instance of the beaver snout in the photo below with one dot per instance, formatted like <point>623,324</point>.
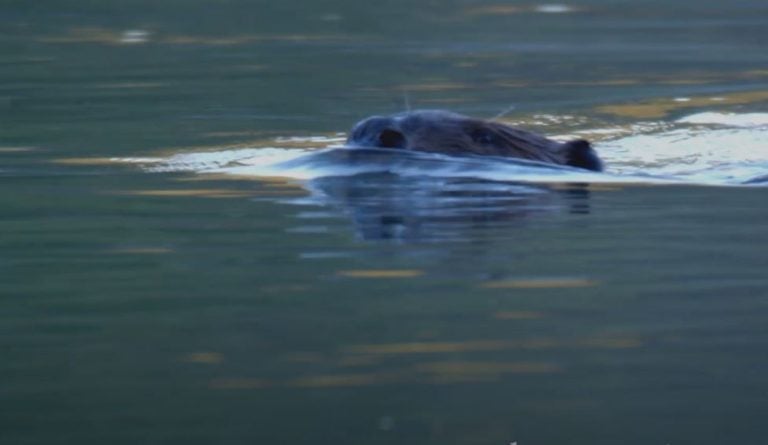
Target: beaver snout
<point>379,132</point>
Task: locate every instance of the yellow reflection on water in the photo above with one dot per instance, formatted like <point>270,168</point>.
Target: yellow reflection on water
<point>447,372</point>
<point>643,110</point>
<point>421,372</point>
<point>250,140</point>
<point>207,358</point>
<point>116,36</point>
<point>381,273</point>
<point>339,380</point>
<point>435,86</point>
<point>16,149</point>
<point>86,161</point>
<point>470,370</point>
<point>493,345</point>
<point>447,347</point>
<point>197,193</point>
<point>610,343</point>
<point>93,35</point>
<point>213,193</point>
<point>659,108</point>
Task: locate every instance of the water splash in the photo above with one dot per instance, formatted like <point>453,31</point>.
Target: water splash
<point>709,148</point>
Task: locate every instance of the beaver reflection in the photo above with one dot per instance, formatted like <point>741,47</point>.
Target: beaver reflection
<point>387,206</point>
<point>454,134</point>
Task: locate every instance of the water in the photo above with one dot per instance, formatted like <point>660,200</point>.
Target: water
<point>167,278</point>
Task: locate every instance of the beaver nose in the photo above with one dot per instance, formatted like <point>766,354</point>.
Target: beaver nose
<point>389,138</point>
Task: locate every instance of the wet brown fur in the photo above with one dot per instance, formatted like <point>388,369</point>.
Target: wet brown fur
<point>454,134</point>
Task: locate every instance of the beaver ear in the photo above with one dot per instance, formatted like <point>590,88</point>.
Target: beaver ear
<point>579,153</point>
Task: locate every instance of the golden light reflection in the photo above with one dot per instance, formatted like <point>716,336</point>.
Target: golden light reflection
<point>283,184</point>
<point>271,182</point>
<point>610,343</point>
<point>16,149</point>
<point>195,193</point>
<point>86,161</point>
<point>207,358</point>
<point>448,86</point>
<point>449,347</point>
<point>493,345</point>
<point>381,273</point>
<point>110,36</point>
<point>273,185</point>
<point>86,35</point>
<point>433,86</point>
<point>448,372</point>
<point>217,177</point>
<point>340,380</point>
<point>425,372</point>
<point>659,108</point>
<point>597,82</point>
<point>469,369</point>
<point>690,79</point>
<point>308,143</point>
<point>213,193</point>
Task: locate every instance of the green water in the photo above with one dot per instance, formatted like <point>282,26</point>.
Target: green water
<point>165,308</point>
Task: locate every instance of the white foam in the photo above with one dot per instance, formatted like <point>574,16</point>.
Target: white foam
<point>729,119</point>
<point>733,150</point>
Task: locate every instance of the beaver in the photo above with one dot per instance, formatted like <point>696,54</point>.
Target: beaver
<point>454,134</point>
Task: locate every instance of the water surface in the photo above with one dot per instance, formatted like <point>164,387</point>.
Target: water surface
<point>161,282</point>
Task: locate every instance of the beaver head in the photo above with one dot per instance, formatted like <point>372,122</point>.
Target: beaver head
<point>454,134</point>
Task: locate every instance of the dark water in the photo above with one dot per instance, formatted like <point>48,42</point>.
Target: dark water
<point>181,308</point>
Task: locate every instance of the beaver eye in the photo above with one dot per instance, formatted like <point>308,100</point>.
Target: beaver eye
<point>482,136</point>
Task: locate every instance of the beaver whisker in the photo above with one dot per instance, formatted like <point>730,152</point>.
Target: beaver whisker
<point>503,113</point>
